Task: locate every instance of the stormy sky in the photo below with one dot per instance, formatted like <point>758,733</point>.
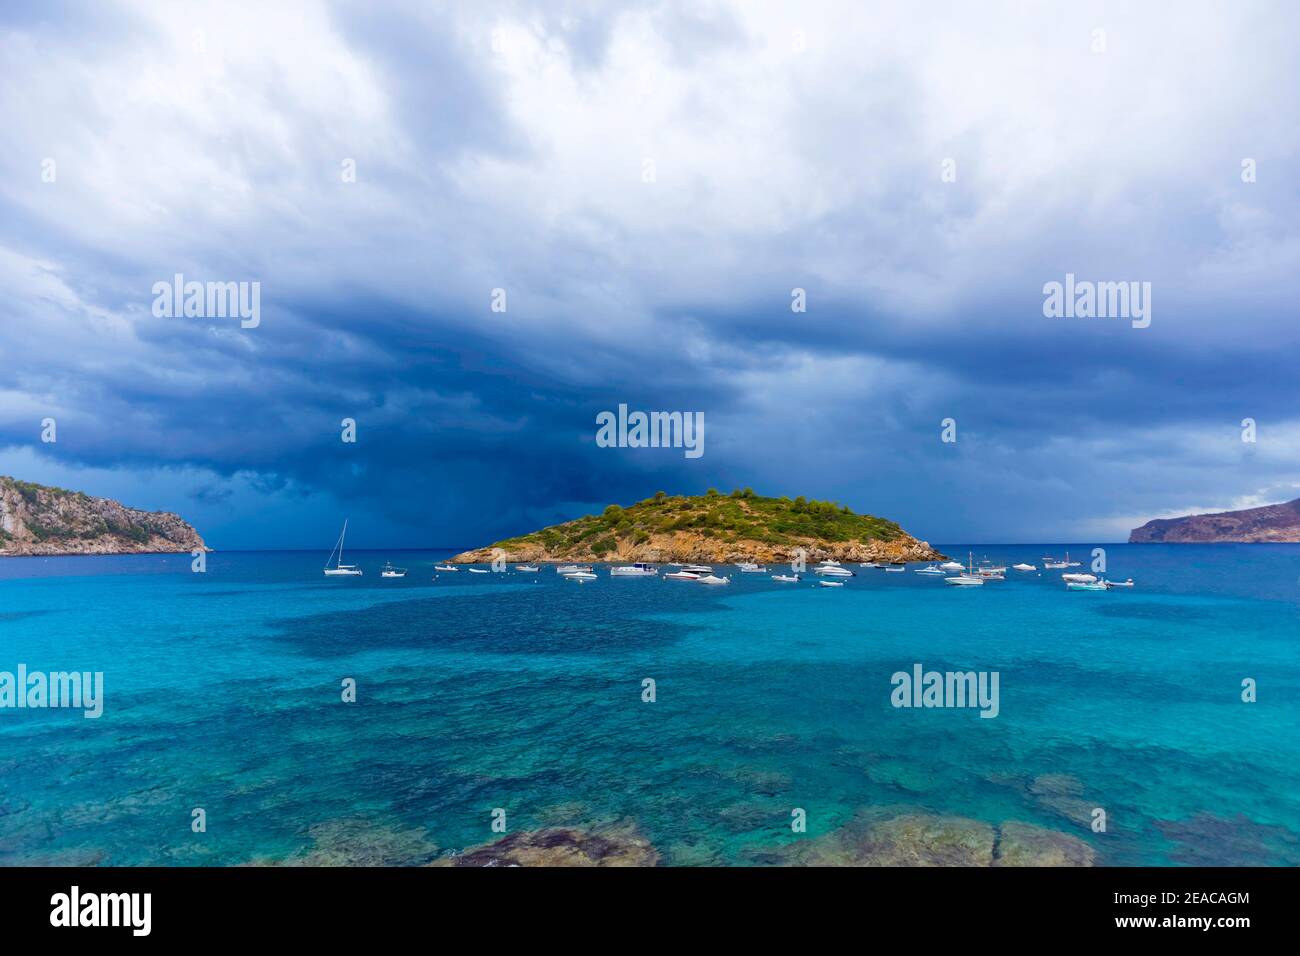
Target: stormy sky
<point>648,182</point>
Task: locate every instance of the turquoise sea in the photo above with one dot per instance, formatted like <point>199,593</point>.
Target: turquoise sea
<point>524,692</point>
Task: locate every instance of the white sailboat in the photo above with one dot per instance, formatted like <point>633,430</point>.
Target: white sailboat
<point>341,569</point>
<point>968,578</point>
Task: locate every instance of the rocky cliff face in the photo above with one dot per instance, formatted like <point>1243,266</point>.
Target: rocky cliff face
<point>36,519</point>
<point>714,529</point>
<point>1279,523</point>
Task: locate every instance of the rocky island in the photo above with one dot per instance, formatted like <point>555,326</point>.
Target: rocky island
<point>714,528</point>
<point>41,520</point>
<point>1277,523</point>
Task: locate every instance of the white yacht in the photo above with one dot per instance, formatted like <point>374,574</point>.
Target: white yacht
<point>953,566</point>
<point>445,567</point>
<point>573,569</point>
<point>1053,564</point>
<point>582,577</point>
<point>832,571</point>
<point>714,579</point>
<point>638,570</point>
<point>932,569</point>
<point>1023,567</point>
<point>750,567</point>
<point>527,568</point>
<point>786,578</point>
<point>1079,578</point>
<point>388,571</point>
<point>681,576</point>
<point>341,569</point>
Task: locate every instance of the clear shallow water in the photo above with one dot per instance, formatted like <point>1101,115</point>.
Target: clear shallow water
<point>524,692</point>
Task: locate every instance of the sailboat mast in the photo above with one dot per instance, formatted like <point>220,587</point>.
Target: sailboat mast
<point>341,537</point>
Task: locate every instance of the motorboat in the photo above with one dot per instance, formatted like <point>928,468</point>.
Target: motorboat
<point>1079,578</point>
<point>1119,584</point>
<point>681,576</point>
<point>988,567</point>
<point>478,570</point>
<point>897,568</point>
<point>786,578</point>
<point>831,584</point>
<point>445,567</point>
<point>582,577</point>
<point>573,569</point>
<point>932,569</point>
<point>1053,564</point>
<point>870,564</point>
<point>953,566</point>
<point>527,568</point>
<point>1023,567</point>
<point>340,569</point>
<point>750,568</point>
<point>714,579</point>
<point>832,571</point>
<point>388,571</point>
<point>638,570</point>
<point>1084,586</point>
<point>697,568</point>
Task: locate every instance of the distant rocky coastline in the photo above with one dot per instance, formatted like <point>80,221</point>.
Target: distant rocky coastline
<point>1275,523</point>
<point>714,528</point>
<point>42,520</point>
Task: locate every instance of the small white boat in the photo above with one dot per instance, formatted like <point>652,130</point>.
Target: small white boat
<point>1079,578</point>
<point>828,563</point>
<point>388,571</point>
<point>445,567</point>
<point>750,568</point>
<point>340,569</point>
<point>1053,564</point>
<point>527,568</point>
<point>573,569</point>
<point>478,570</point>
<point>582,577</point>
<point>897,568</point>
<point>681,576</point>
<point>638,570</point>
<point>697,568</point>
<point>870,564</point>
<point>714,579</point>
<point>831,584</point>
<point>1082,586</point>
<point>1023,567</point>
<point>953,566</point>
<point>787,578</point>
<point>932,569</point>
<point>1119,584</point>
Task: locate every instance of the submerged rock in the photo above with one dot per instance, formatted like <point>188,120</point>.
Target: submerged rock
<point>1208,840</point>
<point>562,846</point>
<point>1022,844</point>
<point>923,839</point>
